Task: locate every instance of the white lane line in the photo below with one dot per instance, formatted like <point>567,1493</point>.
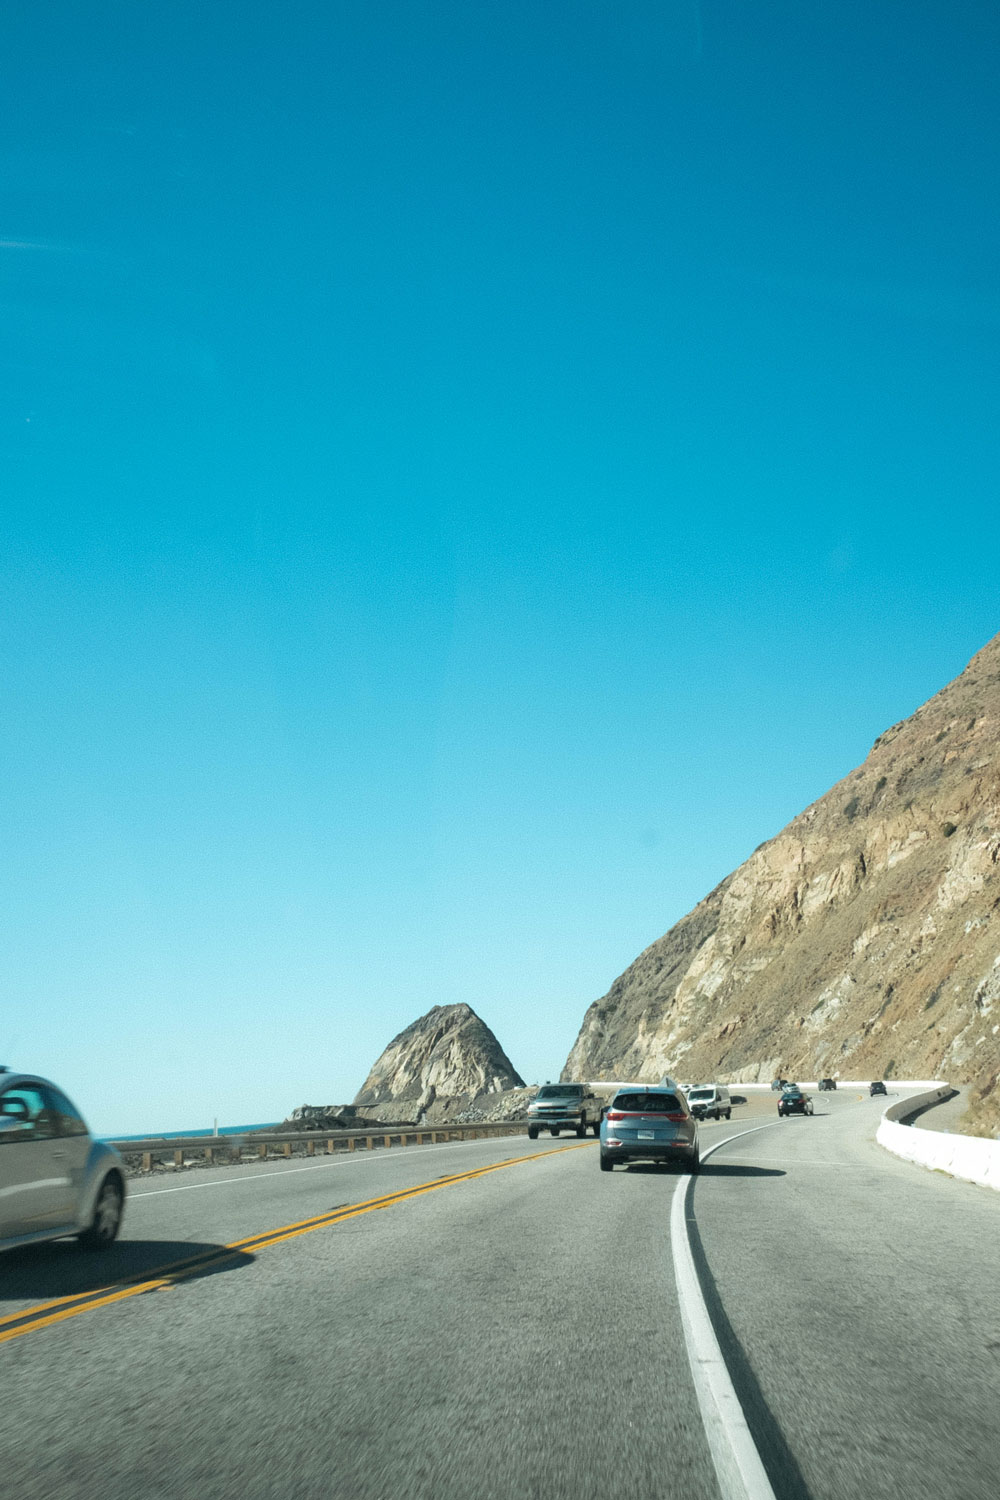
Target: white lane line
<point>738,1466</point>
<point>367,1158</point>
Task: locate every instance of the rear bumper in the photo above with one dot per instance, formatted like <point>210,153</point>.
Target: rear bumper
<point>651,1151</point>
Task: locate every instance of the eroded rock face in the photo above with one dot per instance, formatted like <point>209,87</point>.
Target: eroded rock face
<point>862,941</point>
<point>448,1055</point>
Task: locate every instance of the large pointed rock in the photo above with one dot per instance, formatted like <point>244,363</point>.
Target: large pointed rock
<point>447,1054</point>
<point>862,941</point>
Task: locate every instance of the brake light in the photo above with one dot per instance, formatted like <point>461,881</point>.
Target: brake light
<point>614,1114</point>
<point>678,1118</point>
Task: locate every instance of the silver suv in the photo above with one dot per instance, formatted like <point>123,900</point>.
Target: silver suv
<point>649,1123</point>
<point>55,1179</point>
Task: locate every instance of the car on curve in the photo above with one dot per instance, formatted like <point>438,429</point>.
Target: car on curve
<point>794,1102</point>
<point>877,1087</point>
<point>649,1122</point>
<point>55,1179</point>
<point>826,1084</point>
<point>710,1101</point>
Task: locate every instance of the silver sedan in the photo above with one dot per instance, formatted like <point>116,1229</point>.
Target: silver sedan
<point>55,1179</point>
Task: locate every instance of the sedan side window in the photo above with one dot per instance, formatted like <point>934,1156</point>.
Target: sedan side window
<point>25,1115</point>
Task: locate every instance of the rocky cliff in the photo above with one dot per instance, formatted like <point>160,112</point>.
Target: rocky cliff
<point>441,1062</point>
<point>863,941</point>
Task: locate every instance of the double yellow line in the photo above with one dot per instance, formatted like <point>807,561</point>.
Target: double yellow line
<point>44,1314</point>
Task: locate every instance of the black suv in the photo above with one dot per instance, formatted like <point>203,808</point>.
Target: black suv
<point>878,1087</point>
<point>826,1084</point>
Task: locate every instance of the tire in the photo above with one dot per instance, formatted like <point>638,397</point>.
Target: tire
<point>554,1130</point>
<point>729,1114</point>
<point>581,1131</point>
<point>607,1165</point>
<point>596,1127</point>
<point>532,1132</point>
<point>102,1231</point>
<point>694,1165</point>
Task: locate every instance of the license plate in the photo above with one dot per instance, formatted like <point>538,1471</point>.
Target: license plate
<point>646,1135</point>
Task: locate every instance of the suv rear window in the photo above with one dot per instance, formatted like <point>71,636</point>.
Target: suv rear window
<point>649,1104</point>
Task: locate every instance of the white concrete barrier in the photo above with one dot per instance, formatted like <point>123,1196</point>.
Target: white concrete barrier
<point>974,1158</point>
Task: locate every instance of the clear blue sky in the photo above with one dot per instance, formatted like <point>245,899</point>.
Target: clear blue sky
<point>469,474</point>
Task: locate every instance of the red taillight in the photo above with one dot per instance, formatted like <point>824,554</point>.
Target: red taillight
<point>614,1114</point>
<point>678,1118</point>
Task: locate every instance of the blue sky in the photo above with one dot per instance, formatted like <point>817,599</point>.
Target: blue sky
<point>469,474</point>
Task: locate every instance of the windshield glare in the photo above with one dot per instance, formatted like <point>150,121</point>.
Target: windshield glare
<point>559,1091</point>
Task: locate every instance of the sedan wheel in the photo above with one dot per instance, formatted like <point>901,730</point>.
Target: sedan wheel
<point>104,1226</point>
<point>607,1165</point>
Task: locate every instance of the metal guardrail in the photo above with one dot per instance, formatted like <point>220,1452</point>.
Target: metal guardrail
<point>210,1148</point>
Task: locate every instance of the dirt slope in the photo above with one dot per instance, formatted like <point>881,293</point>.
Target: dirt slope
<point>862,941</point>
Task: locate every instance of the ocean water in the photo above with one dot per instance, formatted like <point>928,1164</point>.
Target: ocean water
<point>176,1135</point>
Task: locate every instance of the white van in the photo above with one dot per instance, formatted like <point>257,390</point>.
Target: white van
<point>710,1101</point>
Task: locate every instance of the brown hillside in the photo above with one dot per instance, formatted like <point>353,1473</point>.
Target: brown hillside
<point>863,941</point>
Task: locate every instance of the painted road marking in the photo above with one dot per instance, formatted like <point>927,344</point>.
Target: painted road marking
<point>738,1466</point>
<point>15,1325</point>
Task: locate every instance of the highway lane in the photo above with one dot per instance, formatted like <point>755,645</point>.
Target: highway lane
<point>517,1334</point>
<point>861,1294</point>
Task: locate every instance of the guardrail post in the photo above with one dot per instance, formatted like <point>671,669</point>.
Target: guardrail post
<point>329,1146</point>
<point>370,1142</point>
<point>147,1161</point>
<point>262,1151</point>
<point>288,1148</point>
<point>208,1153</point>
<point>352,1143</point>
<point>310,1148</point>
<point>387,1140</point>
<point>178,1158</point>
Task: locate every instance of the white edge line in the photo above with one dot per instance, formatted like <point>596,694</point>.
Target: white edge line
<point>343,1160</point>
<point>738,1466</point>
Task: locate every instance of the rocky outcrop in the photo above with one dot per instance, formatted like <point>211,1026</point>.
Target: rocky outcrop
<point>438,1066</point>
<point>862,941</point>
<point>332,1117</point>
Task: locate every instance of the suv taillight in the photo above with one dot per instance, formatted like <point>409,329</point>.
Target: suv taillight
<point>677,1118</point>
<point>613,1115</point>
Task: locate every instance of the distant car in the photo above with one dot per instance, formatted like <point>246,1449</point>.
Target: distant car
<point>794,1102</point>
<point>649,1124</point>
<point>777,1084</point>
<point>826,1084</point>
<point>710,1101</point>
<point>877,1087</point>
<point>55,1179</point>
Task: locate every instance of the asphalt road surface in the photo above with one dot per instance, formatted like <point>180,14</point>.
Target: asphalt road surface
<point>515,1334</point>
